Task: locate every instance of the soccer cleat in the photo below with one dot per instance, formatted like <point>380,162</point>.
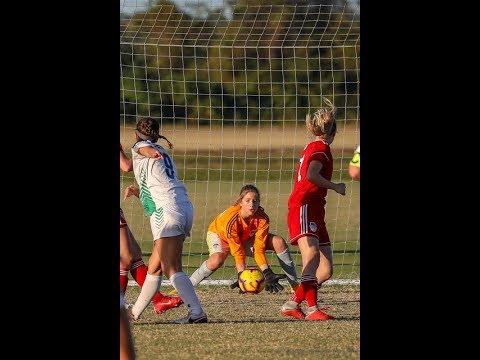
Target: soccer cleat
<point>190,319</point>
<point>291,309</point>
<point>318,315</point>
<point>173,292</point>
<point>167,302</point>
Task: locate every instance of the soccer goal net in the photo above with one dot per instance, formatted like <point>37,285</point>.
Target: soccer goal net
<point>231,83</point>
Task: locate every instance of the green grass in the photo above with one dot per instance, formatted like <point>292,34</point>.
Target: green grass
<point>250,327</point>
<point>214,165</point>
<point>211,198</point>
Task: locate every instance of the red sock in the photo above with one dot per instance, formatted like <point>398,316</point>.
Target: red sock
<point>310,293</point>
<point>299,295</point>
<point>139,272</point>
<point>123,281</point>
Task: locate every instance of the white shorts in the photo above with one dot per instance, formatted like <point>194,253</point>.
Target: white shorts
<point>215,245</point>
<point>167,222</point>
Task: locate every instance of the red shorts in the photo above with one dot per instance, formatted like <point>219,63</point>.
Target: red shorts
<point>307,220</point>
<point>123,222</point>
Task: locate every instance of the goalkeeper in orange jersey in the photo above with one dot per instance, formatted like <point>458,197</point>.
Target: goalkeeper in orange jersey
<point>243,230</point>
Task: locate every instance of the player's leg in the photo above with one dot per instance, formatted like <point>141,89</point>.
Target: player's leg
<point>125,258</point>
<point>307,289</point>
<point>179,226</point>
<point>171,250</point>
<point>277,244</point>
<point>138,270</point>
<point>127,351</point>
<point>152,281</point>
<point>325,268</point>
<point>218,254</point>
<point>302,227</point>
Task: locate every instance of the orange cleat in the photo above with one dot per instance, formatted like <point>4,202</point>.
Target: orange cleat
<point>167,302</point>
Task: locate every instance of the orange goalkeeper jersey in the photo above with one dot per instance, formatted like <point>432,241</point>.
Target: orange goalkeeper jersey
<point>234,231</point>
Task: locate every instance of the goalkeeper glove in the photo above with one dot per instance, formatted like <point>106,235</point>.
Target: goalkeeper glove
<point>271,280</point>
<point>236,285</point>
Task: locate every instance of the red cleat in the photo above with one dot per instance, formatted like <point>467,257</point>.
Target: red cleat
<point>318,315</point>
<point>291,309</point>
<point>166,303</point>
<point>295,313</point>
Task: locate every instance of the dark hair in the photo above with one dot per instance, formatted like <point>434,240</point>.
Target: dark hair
<point>150,129</point>
<point>246,189</point>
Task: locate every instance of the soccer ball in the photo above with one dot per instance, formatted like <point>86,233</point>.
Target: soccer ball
<point>251,281</point>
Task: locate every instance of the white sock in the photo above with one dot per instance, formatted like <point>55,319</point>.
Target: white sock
<point>201,273</point>
<point>184,287</point>
<point>149,289</point>
<point>288,267</point>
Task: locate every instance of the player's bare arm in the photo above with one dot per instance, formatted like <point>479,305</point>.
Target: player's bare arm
<point>150,152</point>
<point>126,164</point>
<point>313,175</point>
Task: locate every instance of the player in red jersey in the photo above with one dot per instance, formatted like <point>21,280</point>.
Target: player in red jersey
<point>306,214</point>
<point>131,256</point>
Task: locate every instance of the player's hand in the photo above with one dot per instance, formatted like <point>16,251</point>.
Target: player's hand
<point>236,285</point>
<point>271,280</point>
<point>129,191</point>
<point>156,154</point>
<point>340,188</point>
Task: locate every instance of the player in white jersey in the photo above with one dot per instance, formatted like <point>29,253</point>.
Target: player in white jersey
<point>131,256</point>
<point>165,200</point>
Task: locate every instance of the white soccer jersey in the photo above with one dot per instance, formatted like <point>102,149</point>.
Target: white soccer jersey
<point>157,180</point>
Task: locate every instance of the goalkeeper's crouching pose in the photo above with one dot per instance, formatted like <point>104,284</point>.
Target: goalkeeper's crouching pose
<point>243,230</point>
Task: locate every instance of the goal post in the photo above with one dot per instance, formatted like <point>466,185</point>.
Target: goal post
<point>231,86</point>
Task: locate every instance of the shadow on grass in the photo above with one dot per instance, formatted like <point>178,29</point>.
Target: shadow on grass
<point>219,321</point>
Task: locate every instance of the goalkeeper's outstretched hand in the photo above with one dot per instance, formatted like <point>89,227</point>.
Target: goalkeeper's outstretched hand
<point>235,285</point>
<point>271,280</point>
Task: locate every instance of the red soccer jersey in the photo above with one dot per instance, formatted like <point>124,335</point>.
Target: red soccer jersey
<point>304,191</point>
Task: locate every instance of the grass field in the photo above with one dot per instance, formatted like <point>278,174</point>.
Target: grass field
<point>214,164</point>
<point>250,327</point>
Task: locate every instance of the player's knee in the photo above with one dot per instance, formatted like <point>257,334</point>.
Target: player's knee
<point>170,267</point>
<point>279,244</point>
<point>325,274</point>
<point>328,274</point>
<point>126,262</point>
<point>313,259</point>
<point>155,268</point>
<point>315,253</point>
<point>215,261</point>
